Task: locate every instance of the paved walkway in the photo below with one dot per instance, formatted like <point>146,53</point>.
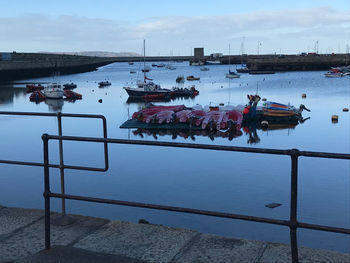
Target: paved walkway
<point>88,239</point>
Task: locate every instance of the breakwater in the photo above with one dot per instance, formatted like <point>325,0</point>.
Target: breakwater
<point>298,63</point>
<point>31,65</point>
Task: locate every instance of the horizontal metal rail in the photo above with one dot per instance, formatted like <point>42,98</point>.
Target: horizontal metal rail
<point>59,115</point>
<point>203,146</point>
<point>201,212</point>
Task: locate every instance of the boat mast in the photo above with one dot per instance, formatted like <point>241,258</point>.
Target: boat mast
<point>144,61</point>
<point>229,58</point>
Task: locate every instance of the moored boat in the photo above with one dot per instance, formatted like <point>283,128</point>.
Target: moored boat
<point>190,78</point>
<point>104,83</point>
<point>69,86</point>
<point>180,79</point>
<point>53,91</point>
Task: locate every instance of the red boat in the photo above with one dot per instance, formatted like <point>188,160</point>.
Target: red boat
<point>72,95</point>
<point>33,87</point>
<point>37,95</point>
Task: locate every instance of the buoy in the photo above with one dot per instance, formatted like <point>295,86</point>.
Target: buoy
<point>334,118</point>
<point>303,95</point>
<point>264,124</point>
<point>100,100</point>
<point>222,86</point>
<point>264,99</point>
<point>92,90</point>
<point>345,109</point>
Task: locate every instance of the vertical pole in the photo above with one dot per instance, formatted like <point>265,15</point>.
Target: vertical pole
<point>59,123</point>
<point>46,191</point>
<point>294,205</point>
<point>105,144</point>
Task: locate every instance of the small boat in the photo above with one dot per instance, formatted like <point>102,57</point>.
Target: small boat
<point>69,86</point>
<point>213,62</point>
<point>161,65</point>
<point>170,67</point>
<point>53,91</point>
<point>333,74</point>
<point>132,72</point>
<point>232,75</point>
<point>37,96</point>
<point>204,69</point>
<point>190,78</point>
<point>180,79</point>
<point>104,83</point>
<point>154,65</point>
<point>243,70</point>
<point>131,63</point>
<point>33,87</point>
<point>71,95</point>
<point>146,69</point>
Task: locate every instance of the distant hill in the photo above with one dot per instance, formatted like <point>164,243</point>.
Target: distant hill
<point>96,53</point>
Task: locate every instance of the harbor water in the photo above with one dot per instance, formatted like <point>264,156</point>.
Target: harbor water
<point>242,183</point>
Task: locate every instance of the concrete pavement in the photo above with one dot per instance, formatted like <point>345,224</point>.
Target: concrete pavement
<point>88,239</point>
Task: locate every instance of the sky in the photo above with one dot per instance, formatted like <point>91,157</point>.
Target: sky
<point>175,27</point>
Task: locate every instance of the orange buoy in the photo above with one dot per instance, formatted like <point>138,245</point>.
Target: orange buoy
<point>334,118</point>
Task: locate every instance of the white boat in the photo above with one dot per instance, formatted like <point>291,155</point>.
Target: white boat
<point>213,62</point>
<point>334,74</point>
<point>231,74</point>
<point>53,91</point>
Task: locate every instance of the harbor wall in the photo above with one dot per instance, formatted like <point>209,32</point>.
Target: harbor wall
<point>31,65</point>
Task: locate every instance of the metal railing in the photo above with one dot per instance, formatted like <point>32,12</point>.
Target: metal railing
<point>61,165</point>
<point>292,223</point>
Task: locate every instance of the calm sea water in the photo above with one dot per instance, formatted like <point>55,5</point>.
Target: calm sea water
<point>229,182</point>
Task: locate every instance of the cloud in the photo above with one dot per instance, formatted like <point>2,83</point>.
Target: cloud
<point>33,32</point>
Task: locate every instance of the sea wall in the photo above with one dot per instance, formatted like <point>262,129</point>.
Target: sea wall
<point>32,65</point>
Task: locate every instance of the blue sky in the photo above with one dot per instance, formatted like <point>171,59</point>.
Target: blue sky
<point>177,26</point>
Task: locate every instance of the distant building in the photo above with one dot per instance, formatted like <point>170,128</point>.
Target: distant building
<point>6,56</point>
<point>198,53</point>
<point>216,55</point>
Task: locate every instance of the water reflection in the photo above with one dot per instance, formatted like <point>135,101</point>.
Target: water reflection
<point>55,105</point>
<point>186,134</point>
<point>8,92</point>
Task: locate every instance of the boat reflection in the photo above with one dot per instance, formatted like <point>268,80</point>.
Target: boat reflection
<point>55,105</point>
<point>165,99</point>
<point>251,129</point>
<point>186,134</point>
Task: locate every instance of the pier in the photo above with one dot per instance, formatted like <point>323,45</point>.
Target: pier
<point>90,239</point>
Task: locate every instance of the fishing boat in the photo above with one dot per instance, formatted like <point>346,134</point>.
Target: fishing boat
<point>191,78</point>
<point>104,83</point>
<point>231,74</point>
<point>145,87</point>
<point>69,86</point>
<point>53,91</point>
<point>180,79</point>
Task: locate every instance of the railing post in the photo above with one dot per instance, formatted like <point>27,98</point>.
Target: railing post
<point>60,143</point>
<point>46,191</point>
<point>294,205</point>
